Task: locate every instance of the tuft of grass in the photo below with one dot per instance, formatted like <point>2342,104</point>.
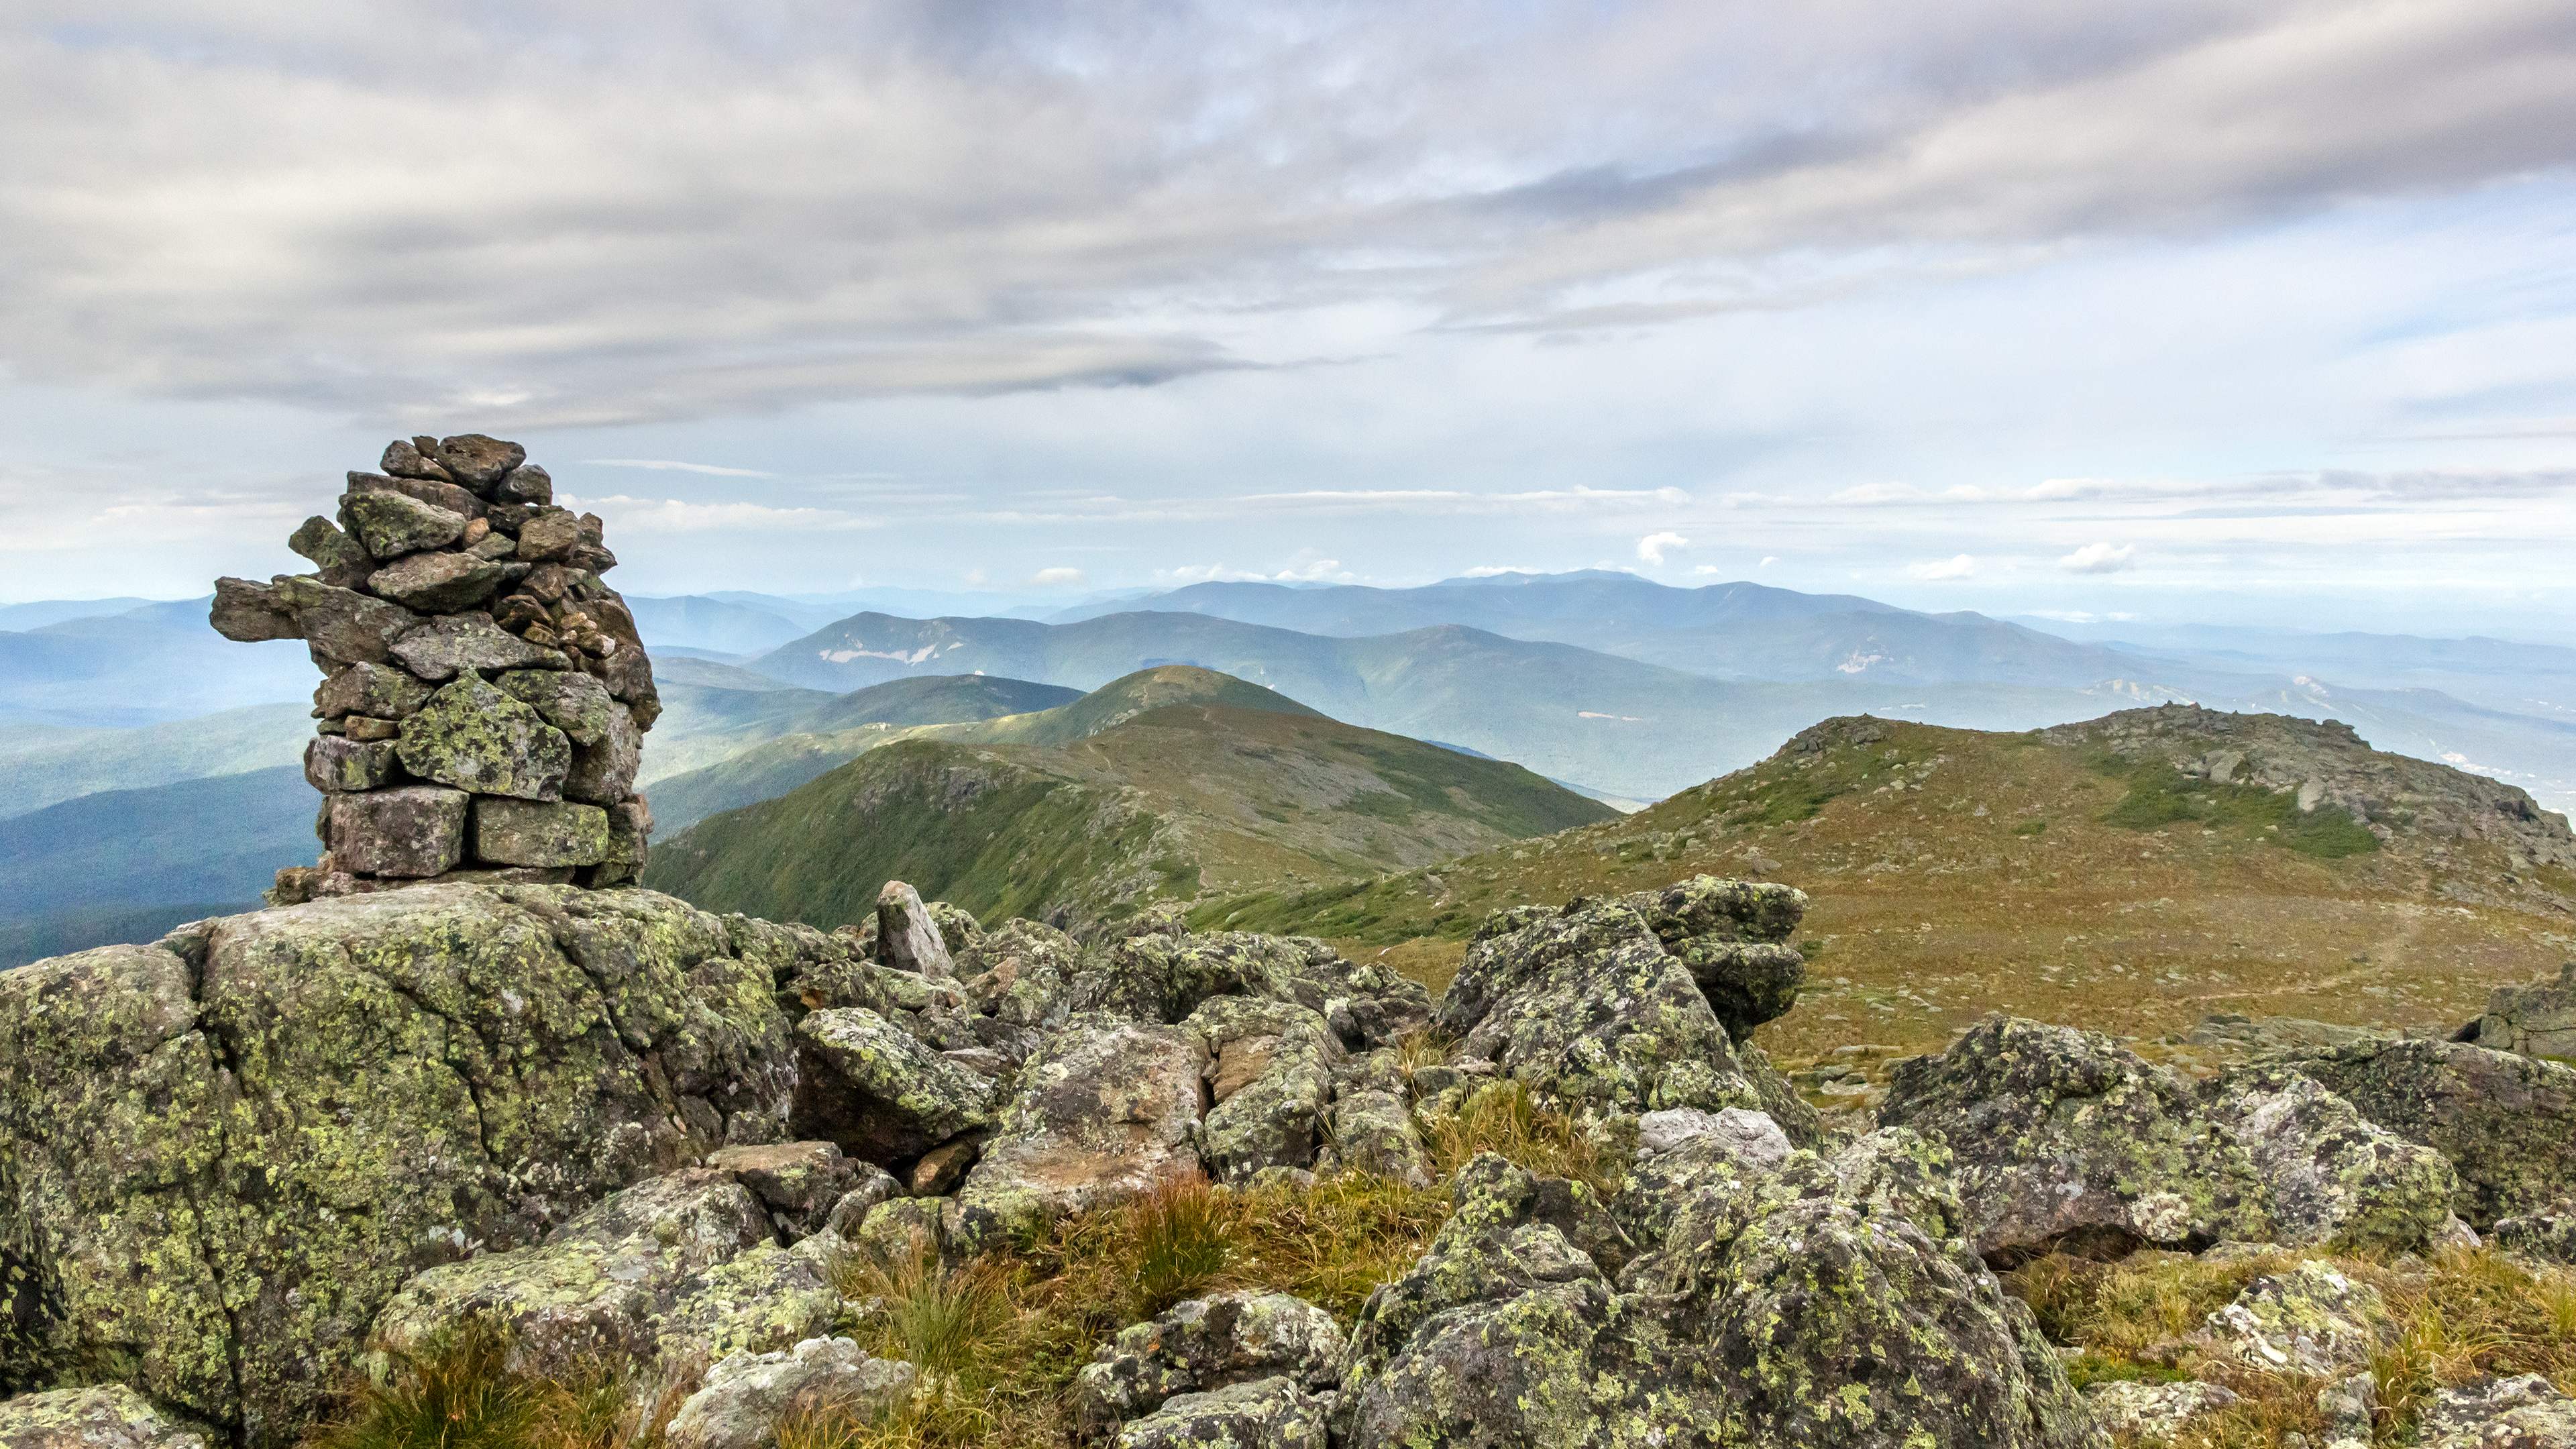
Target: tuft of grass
<point>934,1317</point>
<point>454,1392</point>
<point>1180,1233</point>
<point>1503,1118</point>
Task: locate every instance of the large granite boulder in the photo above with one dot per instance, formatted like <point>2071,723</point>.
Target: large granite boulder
<point>654,1282</point>
<point>1107,1111</point>
<point>1270,1083</point>
<point>2507,1122</point>
<point>226,1152</point>
<point>2065,1139</point>
<point>2537,1020</point>
<point>880,1092</point>
<point>1591,1010</point>
<point>1733,935</point>
<point>2332,1177</point>
<point>1832,1302</point>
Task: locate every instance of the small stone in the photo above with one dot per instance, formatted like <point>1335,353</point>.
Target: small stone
<point>526,484</point>
<point>516,612</point>
<point>391,525</point>
<point>413,831</point>
<point>604,773</point>
<point>108,1416</point>
<point>2310,1320</point>
<point>339,626</point>
<point>342,562</point>
<point>436,494</point>
<point>444,647</point>
<point>570,701</point>
<point>907,940</point>
<point>879,1092</point>
<point>479,462</point>
<point>937,1172</point>
<point>493,549</point>
<point>549,534</point>
<point>532,832</point>
<point>630,827</point>
<point>799,1182</point>
<point>474,737</point>
<point>440,583</point>
<point>370,689</point>
<point>404,459</point>
<point>363,727</point>
<point>2500,1413</point>
<point>748,1396</point>
<point>475,532</point>
<point>1751,1137</point>
<point>334,765</point>
<point>628,673</point>
<point>875,1185</point>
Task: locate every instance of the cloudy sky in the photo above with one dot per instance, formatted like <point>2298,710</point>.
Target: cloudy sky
<point>2181,309</point>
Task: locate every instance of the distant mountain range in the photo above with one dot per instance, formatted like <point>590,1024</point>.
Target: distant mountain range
<point>1163,784</point>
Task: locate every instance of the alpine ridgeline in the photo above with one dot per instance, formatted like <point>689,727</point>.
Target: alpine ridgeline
<point>486,697</point>
<point>400,1161</point>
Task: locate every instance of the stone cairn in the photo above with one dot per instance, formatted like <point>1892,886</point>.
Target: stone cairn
<point>487,696</point>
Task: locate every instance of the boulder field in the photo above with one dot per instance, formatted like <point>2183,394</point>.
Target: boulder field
<point>273,1151</point>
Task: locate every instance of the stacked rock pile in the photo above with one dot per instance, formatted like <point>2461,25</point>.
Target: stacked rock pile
<point>487,695</point>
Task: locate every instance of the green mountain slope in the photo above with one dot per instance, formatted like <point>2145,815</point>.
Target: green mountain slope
<point>1168,801</point>
<point>782,744</point>
<point>52,767</point>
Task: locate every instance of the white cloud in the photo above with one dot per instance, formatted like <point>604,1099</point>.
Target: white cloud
<point>1495,571</point>
<point>666,465</point>
<point>1768,560</point>
<point>1704,570</point>
<point>1304,568</point>
<point>1960,567</point>
<point>1055,578</point>
<point>2100,558</point>
<point>673,515</point>
<point>1654,546</point>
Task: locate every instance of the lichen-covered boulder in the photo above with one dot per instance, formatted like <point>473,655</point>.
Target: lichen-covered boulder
<point>1733,935</point>
<point>226,1152</point>
<point>879,1091</point>
<point>2153,1412</point>
<point>1161,972</point>
<point>1270,1080</point>
<point>2527,1412</point>
<point>2066,1139</point>
<point>2333,1177</point>
<point>907,938</point>
<point>1021,974</point>
<point>1263,1414</point>
<point>474,737</point>
<point>2310,1320</point>
<point>1488,1341</point>
<point>2507,1122</point>
<point>2548,1237</point>
<point>672,1273</point>
<point>747,1396</point>
<point>1373,1132</point>
<point>1839,1303</point>
<point>1202,1344</point>
<point>389,525</point>
<point>1589,1009</point>
<point>2537,1020</point>
<point>457,644</point>
<point>1107,1111</point>
<point>106,1416</point>
<point>800,1183</point>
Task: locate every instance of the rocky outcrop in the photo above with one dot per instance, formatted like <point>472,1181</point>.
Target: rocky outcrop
<point>2506,1122</point>
<point>673,1273</point>
<point>487,696</point>
<point>1108,1111</point>
<point>228,1151</point>
<point>2537,1020</point>
<point>2332,1177</point>
<point>2324,765</point>
<point>1206,1344</point>
<point>1594,1010</point>
<point>2065,1139</point>
<point>1833,1302</point>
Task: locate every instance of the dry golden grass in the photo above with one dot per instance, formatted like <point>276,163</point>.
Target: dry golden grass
<point>1959,872</point>
<point>2458,1317</point>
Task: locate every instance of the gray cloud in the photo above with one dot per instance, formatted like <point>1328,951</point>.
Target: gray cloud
<point>574,213</point>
